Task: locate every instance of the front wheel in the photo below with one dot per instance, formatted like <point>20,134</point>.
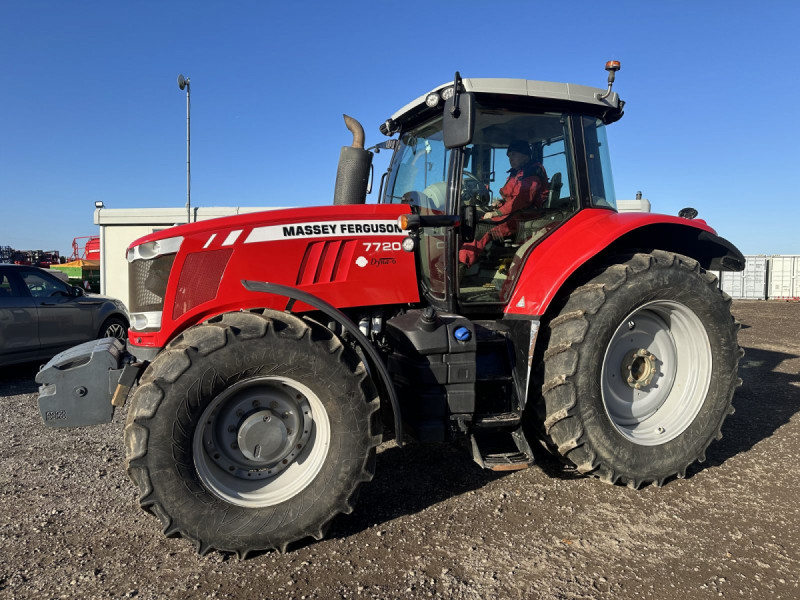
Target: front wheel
<point>640,369</point>
<point>252,431</point>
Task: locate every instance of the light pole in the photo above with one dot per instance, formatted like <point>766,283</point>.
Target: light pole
<point>184,83</point>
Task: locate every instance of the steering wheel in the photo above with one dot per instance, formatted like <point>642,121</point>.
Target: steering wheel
<point>474,192</point>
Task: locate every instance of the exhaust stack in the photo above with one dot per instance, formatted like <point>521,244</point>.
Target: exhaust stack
<point>352,175</point>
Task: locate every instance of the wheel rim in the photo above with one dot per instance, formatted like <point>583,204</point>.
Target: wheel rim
<point>656,372</point>
<point>261,441</point>
<point>116,330</point>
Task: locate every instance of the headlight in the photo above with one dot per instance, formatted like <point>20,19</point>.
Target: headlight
<point>146,320</point>
<point>150,250</point>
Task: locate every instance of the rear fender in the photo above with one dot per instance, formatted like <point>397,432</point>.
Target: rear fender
<point>594,233</point>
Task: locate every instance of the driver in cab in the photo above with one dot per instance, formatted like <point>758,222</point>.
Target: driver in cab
<point>526,188</point>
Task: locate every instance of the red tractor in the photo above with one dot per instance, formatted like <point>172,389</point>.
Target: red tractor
<point>271,353</point>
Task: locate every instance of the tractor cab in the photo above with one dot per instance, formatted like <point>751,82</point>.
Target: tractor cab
<point>453,157</point>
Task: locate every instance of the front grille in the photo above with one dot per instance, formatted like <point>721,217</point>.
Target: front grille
<point>200,279</point>
<point>147,283</point>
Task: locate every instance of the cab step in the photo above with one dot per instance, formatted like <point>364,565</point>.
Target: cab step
<point>497,420</point>
<point>501,451</point>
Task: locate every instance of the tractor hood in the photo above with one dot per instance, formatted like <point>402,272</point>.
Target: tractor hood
<point>350,255</point>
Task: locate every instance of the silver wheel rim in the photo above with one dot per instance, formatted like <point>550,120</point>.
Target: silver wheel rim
<point>261,441</point>
<point>115,330</point>
<point>656,372</point>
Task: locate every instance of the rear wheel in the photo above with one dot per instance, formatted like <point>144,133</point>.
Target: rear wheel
<point>640,369</point>
<point>252,431</point>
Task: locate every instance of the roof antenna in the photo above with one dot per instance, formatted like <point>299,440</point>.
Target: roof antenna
<point>612,67</point>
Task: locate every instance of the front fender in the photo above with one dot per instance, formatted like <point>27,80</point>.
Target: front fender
<point>373,358</point>
<point>594,232</point>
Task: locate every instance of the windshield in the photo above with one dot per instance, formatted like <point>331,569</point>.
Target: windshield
<point>419,178</point>
<point>420,169</point>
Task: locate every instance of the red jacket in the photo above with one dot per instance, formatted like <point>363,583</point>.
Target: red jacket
<point>525,188</point>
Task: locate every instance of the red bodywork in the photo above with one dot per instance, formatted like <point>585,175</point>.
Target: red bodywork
<point>331,257</point>
<point>552,261</point>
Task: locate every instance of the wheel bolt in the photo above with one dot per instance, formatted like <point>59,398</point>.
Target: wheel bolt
<point>267,418</point>
<point>239,413</point>
<point>660,430</point>
<point>631,324</point>
<point>256,404</point>
<point>287,414</point>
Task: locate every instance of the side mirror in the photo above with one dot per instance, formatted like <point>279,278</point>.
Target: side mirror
<point>459,120</point>
<point>77,291</point>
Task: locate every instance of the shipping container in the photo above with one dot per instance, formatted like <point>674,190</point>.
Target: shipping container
<point>750,284</point>
<point>784,277</point>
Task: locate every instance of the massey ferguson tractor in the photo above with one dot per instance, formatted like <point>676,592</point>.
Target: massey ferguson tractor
<point>270,353</point>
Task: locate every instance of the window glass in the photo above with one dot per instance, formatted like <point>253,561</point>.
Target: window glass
<point>41,286</point>
<point>6,289</point>
<point>519,176</point>
<point>420,180</point>
<point>420,170</point>
<point>598,162</point>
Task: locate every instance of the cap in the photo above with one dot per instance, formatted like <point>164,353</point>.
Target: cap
<point>520,146</point>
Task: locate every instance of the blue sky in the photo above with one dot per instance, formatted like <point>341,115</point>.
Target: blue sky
<point>90,109</point>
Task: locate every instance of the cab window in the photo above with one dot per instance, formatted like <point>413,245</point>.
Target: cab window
<point>598,162</point>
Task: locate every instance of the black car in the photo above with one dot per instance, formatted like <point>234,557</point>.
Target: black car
<point>40,315</point>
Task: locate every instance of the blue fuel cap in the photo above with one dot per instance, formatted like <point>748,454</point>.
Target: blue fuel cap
<point>462,334</point>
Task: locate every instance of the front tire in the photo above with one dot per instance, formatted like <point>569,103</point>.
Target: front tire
<point>640,370</point>
<point>252,431</point>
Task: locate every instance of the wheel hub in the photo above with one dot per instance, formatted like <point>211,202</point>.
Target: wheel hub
<point>656,372</point>
<point>638,368</point>
<point>259,432</point>
<point>264,439</point>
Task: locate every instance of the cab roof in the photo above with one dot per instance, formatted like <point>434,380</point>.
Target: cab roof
<point>545,90</point>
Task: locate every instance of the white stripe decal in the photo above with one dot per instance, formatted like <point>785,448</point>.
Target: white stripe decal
<point>231,237</point>
<point>211,239</point>
<point>324,229</point>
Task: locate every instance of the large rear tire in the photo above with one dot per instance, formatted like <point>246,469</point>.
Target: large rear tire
<point>640,369</point>
<point>252,431</point>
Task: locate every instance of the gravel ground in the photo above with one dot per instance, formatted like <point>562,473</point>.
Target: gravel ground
<point>432,524</point>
